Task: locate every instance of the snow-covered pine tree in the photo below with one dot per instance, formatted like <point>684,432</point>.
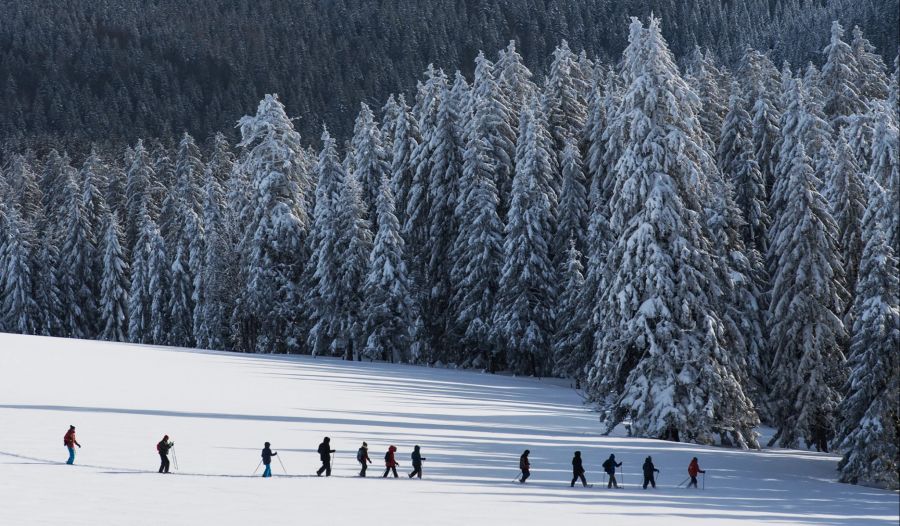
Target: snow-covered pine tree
<point>47,290</point>
<point>571,352</point>
<point>514,79</point>
<point>660,359</point>
<point>389,309</point>
<point>818,133</point>
<point>522,316</point>
<point>706,79</point>
<point>214,284</point>
<point>114,283</point>
<point>138,178</point>
<point>221,160</point>
<point>839,74</point>
<point>158,289</point>
<point>847,203</point>
<point>369,159</point>
<point>23,186</point>
<point>139,288</point>
<point>406,139</point>
<point>389,113</point>
<point>573,204</point>
<point>180,306</point>
<point>477,249</point>
<point>807,300</point>
<point>871,81</point>
<point>561,98</point>
<point>738,165</point>
<point>272,250</point>
<point>79,252</point>
<point>19,312</point>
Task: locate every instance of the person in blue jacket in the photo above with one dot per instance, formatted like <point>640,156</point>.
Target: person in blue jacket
<point>267,460</point>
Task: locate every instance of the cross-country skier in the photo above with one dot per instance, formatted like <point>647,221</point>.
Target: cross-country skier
<point>525,466</point>
<point>325,452</point>
<point>362,456</point>
<point>390,462</point>
<point>693,471</point>
<point>163,447</point>
<point>70,443</point>
<point>417,459</point>
<point>267,460</point>
<point>610,468</point>
<point>649,471</point>
<point>578,470</point>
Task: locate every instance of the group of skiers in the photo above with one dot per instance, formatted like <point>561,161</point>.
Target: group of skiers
<point>325,451</point>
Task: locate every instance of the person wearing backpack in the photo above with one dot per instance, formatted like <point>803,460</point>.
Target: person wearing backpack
<point>610,468</point>
<point>267,460</point>
<point>362,456</point>
<point>390,462</point>
<point>525,466</point>
<point>70,443</point>
<point>417,459</point>
<point>163,447</point>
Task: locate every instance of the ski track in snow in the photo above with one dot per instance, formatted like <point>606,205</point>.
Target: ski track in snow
<point>220,407</point>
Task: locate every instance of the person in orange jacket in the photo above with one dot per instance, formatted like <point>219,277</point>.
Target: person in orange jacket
<point>693,471</point>
<point>70,443</point>
<point>390,462</point>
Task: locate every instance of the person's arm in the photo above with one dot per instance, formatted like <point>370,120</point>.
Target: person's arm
<point>76,443</point>
<point>274,454</point>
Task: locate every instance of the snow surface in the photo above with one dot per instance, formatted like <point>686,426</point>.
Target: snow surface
<point>219,408</point>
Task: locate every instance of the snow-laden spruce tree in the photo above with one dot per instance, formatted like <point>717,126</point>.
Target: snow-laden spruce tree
<point>369,159</point>
<point>389,309</point>
<point>389,114</point>
<point>139,288</point>
<point>660,359</point>
<point>847,203</point>
<point>515,81</point>
<point>272,250</point>
<point>19,312</point>
<point>405,140</point>
<point>180,307</point>
<point>23,185</point>
<point>215,282</point>
<point>573,203</point>
<point>571,352</point>
<point>477,250</point>
<point>340,240</point>
<point>114,283</point>
<point>561,98</point>
<point>739,167</point>
<point>158,289</point>
<point>78,252</point>
<point>522,316</point>
<point>708,82</point>
<point>138,178</point>
<point>871,80</point>
<point>221,160</point>
<point>839,74</point>
<point>807,301</point>
<point>48,293</point>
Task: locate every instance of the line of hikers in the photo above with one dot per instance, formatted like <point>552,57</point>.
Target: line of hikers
<point>362,457</point>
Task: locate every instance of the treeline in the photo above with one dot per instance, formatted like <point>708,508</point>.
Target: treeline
<point>112,71</point>
<point>702,250</point>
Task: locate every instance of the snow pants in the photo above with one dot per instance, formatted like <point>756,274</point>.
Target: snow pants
<point>326,468</point>
<point>693,482</point>
<point>268,471</point>
<point>71,455</point>
<point>612,481</point>
<point>365,466</point>
<point>163,463</point>
<point>388,470</point>
<point>417,470</point>
<point>576,476</point>
<point>649,479</point>
<point>525,474</point>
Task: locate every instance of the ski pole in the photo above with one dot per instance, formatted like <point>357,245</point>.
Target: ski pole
<point>683,482</point>
<point>175,457</point>
<point>282,465</point>
<point>704,480</point>
<point>257,467</point>
<point>517,477</point>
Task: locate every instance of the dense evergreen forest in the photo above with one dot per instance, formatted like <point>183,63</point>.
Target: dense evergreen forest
<point>112,71</point>
<point>701,248</point>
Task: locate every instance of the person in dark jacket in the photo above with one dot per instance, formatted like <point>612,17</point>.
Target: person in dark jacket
<point>390,462</point>
<point>693,471</point>
<point>267,460</point>
<point>163,448</point>
<point>610,468</point>
<point>525,466</point>
<point>649,471</point>
<point>325,452</point>
<point>578,470</point>
<point>70,443</point>
<point>417,459</point>
<point>362,456</point>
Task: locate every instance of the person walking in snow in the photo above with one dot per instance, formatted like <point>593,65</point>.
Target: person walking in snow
<point>693,471</point>
<point>70,443</point>
<point>610,468</point>
<point>325,452</point>
<point>390,462</point>
<point>163,447</point>
<point>267,460</point>
<point>417,459</point>
<point>578,470</point>
<point>525,466</point>
<point>362,456</point>
<point>649,471</point>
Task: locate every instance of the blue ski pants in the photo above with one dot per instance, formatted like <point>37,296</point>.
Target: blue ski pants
<point>71,455</point>
<point>268,471</point>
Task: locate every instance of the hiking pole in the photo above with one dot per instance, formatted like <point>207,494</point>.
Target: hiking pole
<point>517,477</point>
<point>257,467</point>
<point>622,472</point>
<point>704,480</point>
<point>175,457</point>
<point>683,482</point>
<point>282,464</point>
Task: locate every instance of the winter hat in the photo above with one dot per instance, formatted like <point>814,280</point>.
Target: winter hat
<point>327,439</point>
<point>71,427</point>
<point>165,437</point>
<point>267,444</point>
<point>365,445</point>
<point>612,456</point>
<point>527,452</point>
<point>578,453</point>
<point>416,448</point>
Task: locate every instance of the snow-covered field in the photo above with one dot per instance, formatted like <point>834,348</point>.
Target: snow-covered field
<point>219,409</point>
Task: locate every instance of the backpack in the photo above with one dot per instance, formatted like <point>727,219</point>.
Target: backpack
<point>387,456</point>
<point>360,455</point>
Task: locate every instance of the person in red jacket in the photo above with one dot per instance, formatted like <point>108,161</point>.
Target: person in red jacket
<point>693,470</point>
<point>70,443</point>
<point>390,463</point>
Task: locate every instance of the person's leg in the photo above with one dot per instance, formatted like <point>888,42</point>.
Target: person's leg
<point>362,472</point>
<point>646,481</point>
<point>525,475</point>
<point>394,469</point>
<point>693,482</point>
<point>386,471</point>
<point>583,480</point>
<point>166,459</point>
<point>162,462</point>
<point>615,483</point>
<point>653,481</point>
<point>609,481</point>
<point>71,455</point>
<point>574,478</point>
<point>328,468</point>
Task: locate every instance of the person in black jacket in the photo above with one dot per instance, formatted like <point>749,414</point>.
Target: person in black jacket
<point>362,456</point>
<point>525,466</point>
<point>325,452</point>
<point>417,459</point>
<point>610,468</point>
<point>163,448</point>
<point>267,460</point>
<point>649,471</point>
<point>578,470</point>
